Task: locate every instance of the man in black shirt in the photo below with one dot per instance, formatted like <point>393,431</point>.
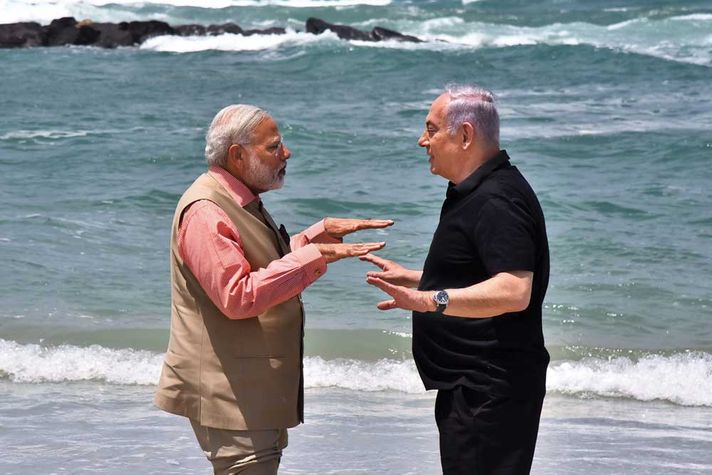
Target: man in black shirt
<point>477,331</point>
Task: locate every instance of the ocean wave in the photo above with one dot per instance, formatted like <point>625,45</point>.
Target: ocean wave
<point>106,10</point>
<point>232,42</point>
<point>680,39</point>
<point>683,378</point>
<point>38,136</point>
<point>381,375</point>
<point>37,364</point>
<point>683,39</point>
<point>43,134</point>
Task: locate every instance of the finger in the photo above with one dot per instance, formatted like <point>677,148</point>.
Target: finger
<point>373,224</point>
<point>378,275</point>
<point>383,285</point>
<point>387,305</point>
<point>373,259</point>
<point>364,248</point>
<point>374,246</point>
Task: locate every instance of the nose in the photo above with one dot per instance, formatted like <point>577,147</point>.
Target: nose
<point>423,140</point>
<point>286,153</point>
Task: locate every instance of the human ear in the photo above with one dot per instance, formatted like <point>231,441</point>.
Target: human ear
<point>234,152</point>
<point>467,135</point>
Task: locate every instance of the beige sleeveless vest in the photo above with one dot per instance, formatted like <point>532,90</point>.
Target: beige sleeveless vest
<point>231,374</point>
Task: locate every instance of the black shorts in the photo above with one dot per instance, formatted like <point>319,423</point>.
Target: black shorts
<point>484,434</point>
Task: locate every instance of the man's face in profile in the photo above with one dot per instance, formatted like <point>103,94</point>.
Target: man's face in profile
<point>266,158</point>
<point>439,144</point>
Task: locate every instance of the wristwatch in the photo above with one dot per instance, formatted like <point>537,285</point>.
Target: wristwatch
<point>441,299</point>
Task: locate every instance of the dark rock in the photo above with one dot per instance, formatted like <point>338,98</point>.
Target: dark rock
<point>87,35</point>
<point>191,30</point>
<point>232,28</point>
<point>111,35</point>
<point>318,26</point>
<point>143,30</point>
<point>267,31</point>
<point>60,32</point>
<point>381,34</point>
<point>20,35</point>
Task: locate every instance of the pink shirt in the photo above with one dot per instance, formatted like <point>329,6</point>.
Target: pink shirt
<point>211,247</point>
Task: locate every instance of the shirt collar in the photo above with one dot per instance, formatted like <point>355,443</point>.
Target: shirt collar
<point>468,185</point>
<point>237,190</point>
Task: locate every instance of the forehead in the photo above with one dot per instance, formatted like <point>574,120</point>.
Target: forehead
<point>266,130</point>
<point>436,114</point>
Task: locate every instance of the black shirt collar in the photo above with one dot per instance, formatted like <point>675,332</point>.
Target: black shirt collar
<point>466,186</point>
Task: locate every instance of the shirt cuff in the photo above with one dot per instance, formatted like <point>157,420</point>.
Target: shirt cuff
<point>317,233</point>
<point>311,260</point>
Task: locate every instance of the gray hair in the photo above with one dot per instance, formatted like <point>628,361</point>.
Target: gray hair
<point>473,104</point>
<point>232,125</point>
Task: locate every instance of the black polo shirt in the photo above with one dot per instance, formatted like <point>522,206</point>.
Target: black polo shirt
<point>491,222</point>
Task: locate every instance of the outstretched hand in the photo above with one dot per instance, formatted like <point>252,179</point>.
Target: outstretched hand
<point>340,227</point>
<point>335,252</point>
<point>392,272</point>
<point>403,297</point>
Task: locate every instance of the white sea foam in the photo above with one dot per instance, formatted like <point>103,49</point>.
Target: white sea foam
<point>104,10</point>
<point>231,42</point>
<point>43,134</point>
<point>381,375</point>
<point>37,364</point>
<point>683,378</point>
<point>683,38</point>
<point>400,334</point>
<point>694,17</point>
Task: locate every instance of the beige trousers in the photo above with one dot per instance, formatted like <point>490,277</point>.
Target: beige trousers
<point>243,452</point>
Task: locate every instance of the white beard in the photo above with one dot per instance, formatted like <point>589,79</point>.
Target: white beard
<point>261,177</point>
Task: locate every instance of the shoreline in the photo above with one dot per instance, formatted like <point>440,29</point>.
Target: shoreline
<point>81,428</point>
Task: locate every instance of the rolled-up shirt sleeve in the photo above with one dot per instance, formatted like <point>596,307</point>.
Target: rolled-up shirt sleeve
<point>211,247</point>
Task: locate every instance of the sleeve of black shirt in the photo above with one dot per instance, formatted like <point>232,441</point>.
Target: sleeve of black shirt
<point>504,235</point>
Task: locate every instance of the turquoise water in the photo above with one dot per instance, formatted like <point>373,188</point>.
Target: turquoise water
<point>606,108</point>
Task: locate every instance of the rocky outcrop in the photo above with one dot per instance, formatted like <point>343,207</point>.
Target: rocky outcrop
<point>110,35</point>
<point>68,31</point>
<point>60,32</point>
<point>21,35</point>
<point>318,26</point>
<point>267,31</point>
<point>383,34</point>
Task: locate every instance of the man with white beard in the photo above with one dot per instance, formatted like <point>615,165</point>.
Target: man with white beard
<point>234,359</point>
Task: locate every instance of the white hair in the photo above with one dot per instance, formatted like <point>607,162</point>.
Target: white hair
<point>232,125</point>
<point>473,104</point>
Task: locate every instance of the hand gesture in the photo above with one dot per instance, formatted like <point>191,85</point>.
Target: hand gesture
<point>335,252</point>
<point>403,297</point>
<point>340,227</point>
<point>392,272</point>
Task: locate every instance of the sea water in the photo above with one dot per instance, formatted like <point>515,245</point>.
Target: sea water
<point>606,108</point>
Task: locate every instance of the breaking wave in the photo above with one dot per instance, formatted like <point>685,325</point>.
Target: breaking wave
<point>682,378</point>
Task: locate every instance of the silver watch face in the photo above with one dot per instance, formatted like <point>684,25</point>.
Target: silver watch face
<point>441,297</point>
